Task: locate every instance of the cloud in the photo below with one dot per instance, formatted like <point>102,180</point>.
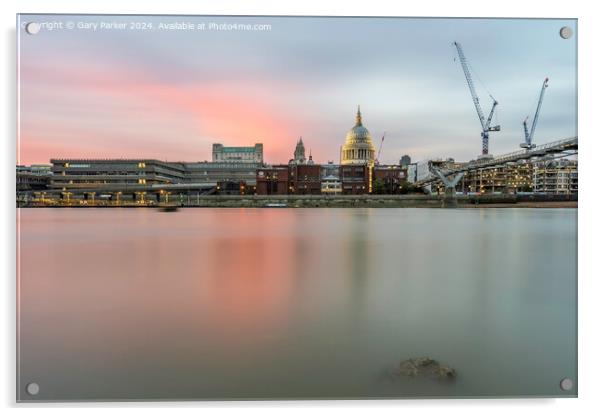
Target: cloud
<point>169,95</point>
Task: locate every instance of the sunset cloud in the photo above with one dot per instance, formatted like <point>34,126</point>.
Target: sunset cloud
<point>171,95</point>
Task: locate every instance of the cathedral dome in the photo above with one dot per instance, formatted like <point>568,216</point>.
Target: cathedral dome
<point>358,134</point>
<point>358,147</point>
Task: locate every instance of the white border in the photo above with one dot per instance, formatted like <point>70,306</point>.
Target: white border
<point>590,346</point>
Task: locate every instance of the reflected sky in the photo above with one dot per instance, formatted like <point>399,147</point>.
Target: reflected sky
<point>257,303</point>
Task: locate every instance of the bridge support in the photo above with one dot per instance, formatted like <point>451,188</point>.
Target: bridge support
<point>449,199</point>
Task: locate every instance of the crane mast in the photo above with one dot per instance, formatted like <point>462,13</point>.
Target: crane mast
<point>528,144</point>
<point>380,148</point>
<point>485,122</point>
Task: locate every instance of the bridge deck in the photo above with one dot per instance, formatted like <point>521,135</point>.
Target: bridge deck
<point>555,147</point>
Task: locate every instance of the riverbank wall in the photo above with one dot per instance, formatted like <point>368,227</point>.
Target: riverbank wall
<point>340,201</point>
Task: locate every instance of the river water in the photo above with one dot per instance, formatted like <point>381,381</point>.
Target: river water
<point>131,304</point>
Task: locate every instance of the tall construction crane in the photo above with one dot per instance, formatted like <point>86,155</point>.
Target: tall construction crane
<point>380,148</point>
<point>528,144</point>
<point>485,122</point>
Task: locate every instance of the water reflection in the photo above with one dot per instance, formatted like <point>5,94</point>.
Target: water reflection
<point>231,303</point>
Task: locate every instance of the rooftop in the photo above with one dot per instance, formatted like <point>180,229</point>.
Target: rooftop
<point>239,149</point>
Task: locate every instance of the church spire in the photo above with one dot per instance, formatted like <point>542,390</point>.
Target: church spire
<point>310,161</point>
<point>299,155</point>
<point>358,117</point>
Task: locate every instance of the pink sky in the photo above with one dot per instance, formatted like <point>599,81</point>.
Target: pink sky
<point>170,95</point>
<point>85,111</point>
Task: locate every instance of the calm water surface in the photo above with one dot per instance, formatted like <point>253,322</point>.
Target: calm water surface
<point>295,303</point>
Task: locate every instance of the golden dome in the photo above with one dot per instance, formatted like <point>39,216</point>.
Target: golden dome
<point>358,147</point>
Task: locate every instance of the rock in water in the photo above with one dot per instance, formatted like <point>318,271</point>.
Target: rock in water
<point>427,367</point>
<point>425,362</point>
<point>445,372</point>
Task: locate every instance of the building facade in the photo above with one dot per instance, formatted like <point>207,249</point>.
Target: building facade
<point>238,154</point>
<point>556,177</point>
<point>550,177</point>
<point>305,179</point>
<point>221,172</point>
<point>145,180</point>
<point>389,179</point>
<point>100,173</point>
<point>80,177</point>
<point>273,180</point>
<point>504,179</point>
<point>33,178</point>
<point>356,179</point>
<point>358,148</point>
<point>330,179</point>
<point>314,179</point>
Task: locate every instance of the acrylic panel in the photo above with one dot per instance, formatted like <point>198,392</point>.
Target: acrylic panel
<point>279,207</point>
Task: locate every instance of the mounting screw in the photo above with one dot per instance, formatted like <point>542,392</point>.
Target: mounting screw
<point>566,384</point>
<point>32,28</point>
<point>566,32</point>
<point>32,389</point>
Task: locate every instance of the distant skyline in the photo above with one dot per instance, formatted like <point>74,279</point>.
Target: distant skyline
<point>170,94</point>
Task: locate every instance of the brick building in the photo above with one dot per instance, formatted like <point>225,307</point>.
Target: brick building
<point>356,179</point>
<point>273,180</point>
<point>305,179</point>
<point>388,179</point>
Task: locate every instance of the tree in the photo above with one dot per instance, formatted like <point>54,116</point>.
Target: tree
<point>379,186</point>
<point>408,188</point>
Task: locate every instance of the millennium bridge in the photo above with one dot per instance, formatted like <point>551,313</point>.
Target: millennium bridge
<point>451,176</point>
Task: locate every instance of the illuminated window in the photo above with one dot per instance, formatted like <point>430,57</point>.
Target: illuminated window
<point>141,165</point>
